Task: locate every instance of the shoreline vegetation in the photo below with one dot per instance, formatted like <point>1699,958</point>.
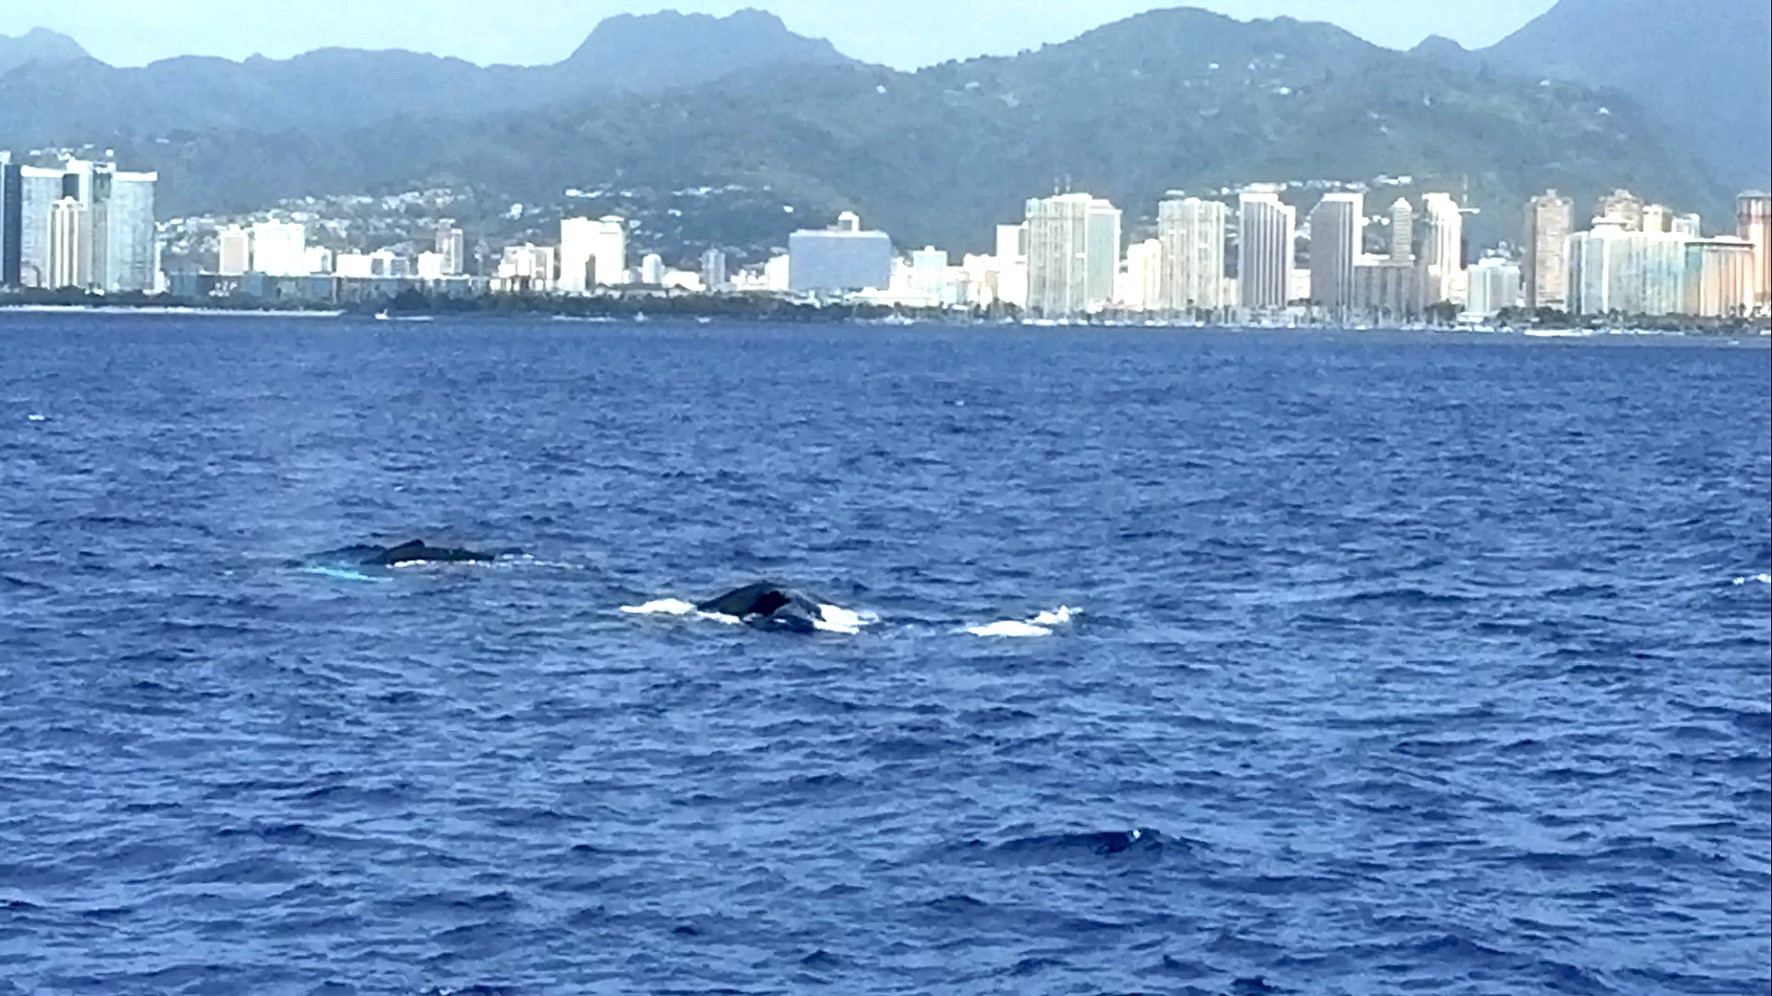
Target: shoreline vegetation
<point>410,305</point>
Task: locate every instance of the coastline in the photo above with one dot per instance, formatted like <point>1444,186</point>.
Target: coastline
<point>612,311</point>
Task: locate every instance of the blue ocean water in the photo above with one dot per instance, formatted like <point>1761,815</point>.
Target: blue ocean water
<point>1399,663</point>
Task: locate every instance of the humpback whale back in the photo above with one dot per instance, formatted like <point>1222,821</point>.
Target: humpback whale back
<point>419,552</point>
<point>768,606</point>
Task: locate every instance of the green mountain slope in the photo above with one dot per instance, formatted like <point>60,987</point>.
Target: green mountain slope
<point>1171,99</point>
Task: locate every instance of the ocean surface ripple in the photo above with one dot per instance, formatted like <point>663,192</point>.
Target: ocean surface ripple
<point>1366,664</point>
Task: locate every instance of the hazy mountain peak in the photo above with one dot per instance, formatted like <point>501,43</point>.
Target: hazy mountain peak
<point>39,45</point>
<point>644,51</point>
<point>1704,67</point>
<point>1439,46</point>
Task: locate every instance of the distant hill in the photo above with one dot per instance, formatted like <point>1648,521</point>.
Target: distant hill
<point>668,49</point>
<point>1171,99</point>
<point>331,89</point>
<point>1703,66</point>
<point>39,46</point>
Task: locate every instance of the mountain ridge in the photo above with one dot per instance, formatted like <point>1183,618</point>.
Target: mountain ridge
<point>1166,100</point>
<point>1704,68</point>
<point>329,88</point>
<point>40,46</point>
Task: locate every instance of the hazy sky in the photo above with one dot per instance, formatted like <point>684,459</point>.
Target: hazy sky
<point>904,33</point>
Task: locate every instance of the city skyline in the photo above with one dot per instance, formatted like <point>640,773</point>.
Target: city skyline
<point>905,34</point>
<point>89,226</point>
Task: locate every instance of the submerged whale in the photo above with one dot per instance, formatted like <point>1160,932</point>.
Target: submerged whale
<point>769,606</point>
<point>415,552</point>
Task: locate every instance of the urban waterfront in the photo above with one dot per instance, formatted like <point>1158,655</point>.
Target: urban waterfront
<point>89,228</point>
<point>1393,662</point>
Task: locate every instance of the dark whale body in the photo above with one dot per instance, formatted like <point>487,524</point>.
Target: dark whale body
<point>415,552</point>
<point>769,606</point>
<point>420,552</point>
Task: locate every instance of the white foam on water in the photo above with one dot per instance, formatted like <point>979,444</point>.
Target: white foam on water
<point>836,619</point>
<point>1761,578</point>
<point>662,607</point>
<point>342,574</point>
<point>36,418</point>
<point>1010,630</point>
<point>1039,626</point>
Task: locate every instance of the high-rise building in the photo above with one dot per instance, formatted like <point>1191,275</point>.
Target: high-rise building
<point>1402,244</point>
<point>929,274</point>
<point>1623,205</point>
<point>1494,287</point>
<point>280,249</point>
<point>11,217</point>
<point>1141,281</point>
<point>1192,232</point>
<point>1442,251</point>
<point>1753,223</point>
<point>578,237</point>
<point>234,251</point>
<point>713,270</point>
<point>1104,252</point>
<point>1012,265</point>
<point>840,260</point>
<point>353,265</point>
<point>1618,271</point>
<point>1719,277</point>
<point>1338,226</point>
<point>1059,249</point>
<point>1550,220</point>
<point>609,253</point>
<point>39,190</point>
<point>70,245</point>
<point>652,270</point>
<point>452,245</point>
<point>1387,291</point>
<point>131,247</point>
<point>1657,218</point>
<point>1266,232</point>
<point>1689,225</point>
<point>593,253</point>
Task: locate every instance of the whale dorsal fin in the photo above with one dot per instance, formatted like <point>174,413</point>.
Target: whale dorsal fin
<point>408,547</point>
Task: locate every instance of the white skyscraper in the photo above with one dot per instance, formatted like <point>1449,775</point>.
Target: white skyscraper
<point>280,249</point>
<point>593,254</point>
<point>1266,229</point>
<point>70,245</point>
<point>1141,283</point>
<point>1442,251</point>
<point>39,190</point>
<point>1338,228</point>
<point>929,275</point>
<point>578,247</point>
<point>713,271</point>
<point>452,245</point>
<point>1058,244</point>
<point>1192,232</point>
<point>652,270</point>
<point>234,252</point>
<point>1620,269</point>
<point>1104,252</point>
<point>609,253</point>
<point>1494,287</point>
<point>130,244</point>
<point>1402,248</point>
<point>1012,265</point>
